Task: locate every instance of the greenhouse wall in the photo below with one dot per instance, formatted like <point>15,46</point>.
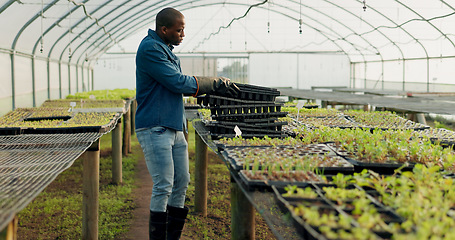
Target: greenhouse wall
<point>300,71</point>
<point>422,75</point>
<point>56,84</point>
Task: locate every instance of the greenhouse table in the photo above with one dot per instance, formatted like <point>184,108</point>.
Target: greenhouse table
<point>243,201</point>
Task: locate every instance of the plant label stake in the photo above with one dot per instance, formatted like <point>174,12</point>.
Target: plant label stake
<point>300,105</point>
<point>92,97</point>
<point>237,131</point>
<point>72,104</point>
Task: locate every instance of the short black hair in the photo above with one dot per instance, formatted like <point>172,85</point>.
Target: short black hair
<point>167,17</point>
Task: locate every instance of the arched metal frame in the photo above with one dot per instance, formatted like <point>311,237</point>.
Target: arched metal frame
<point>98,41</point>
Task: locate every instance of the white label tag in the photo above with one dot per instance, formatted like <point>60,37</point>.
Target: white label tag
<point>237,131</point>
<point>92,97</point>
<point>72,104</point>
<point>300,105</point>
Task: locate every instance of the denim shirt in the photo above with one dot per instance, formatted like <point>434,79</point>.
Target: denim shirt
<point>160,85</point>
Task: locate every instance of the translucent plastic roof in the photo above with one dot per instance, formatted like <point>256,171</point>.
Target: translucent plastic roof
<point>363,30</point>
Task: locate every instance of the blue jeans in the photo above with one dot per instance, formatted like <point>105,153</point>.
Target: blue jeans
<point>166,155</point>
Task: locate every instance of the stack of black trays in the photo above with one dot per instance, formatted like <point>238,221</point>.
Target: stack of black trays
<point>254,112</point>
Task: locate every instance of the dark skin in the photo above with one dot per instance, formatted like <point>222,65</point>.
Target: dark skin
<point>173,35</point>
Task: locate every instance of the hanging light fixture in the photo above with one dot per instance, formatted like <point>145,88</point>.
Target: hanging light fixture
<point>42,34</point>
<point>364,5</point>
<point>300,19</point>
<point>69,31</point>
<point>268,17</point>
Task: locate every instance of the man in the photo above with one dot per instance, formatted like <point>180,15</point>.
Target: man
<point>160,119</point>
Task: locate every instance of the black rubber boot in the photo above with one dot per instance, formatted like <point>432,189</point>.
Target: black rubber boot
<point>157,225</point>
<point>176,220</point>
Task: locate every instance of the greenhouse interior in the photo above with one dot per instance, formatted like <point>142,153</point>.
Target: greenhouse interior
<point>302,119</point>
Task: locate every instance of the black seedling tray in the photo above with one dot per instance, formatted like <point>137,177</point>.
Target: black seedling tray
<point>219,128</point>
<point>249,87</point>
<point>237,161</point>
<point>260,120</point>
<point>244,109</point>
<point>258,93</point>
<point>255,184</point>
<point>381,168</point>
<point>11,131</point>
<point>83,129</point>
<point>192,106</point>
<point>305,230</point>
<point>243,117</point>
<point>372,129</point>
<point>63,118</point>
<point>258,135</point>
<point>212,100</point>
<point>274,126</point>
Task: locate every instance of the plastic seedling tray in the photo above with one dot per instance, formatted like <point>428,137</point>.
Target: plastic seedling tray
<point>252,93</point>
<point>303,228</point>
<point>242,117</point>
<point>249,87</point>
<point>260,120</point>
<point>82,129</point>
<point>262,182</point>
<point>381,168</point>
<point>63,118</point>
<point>192,106</point>
<point>11,131</point>
<point>245,109</point>
<point>275,126</point>
<point>218,128</point>
<point>259,135</point>
<point>212,100</point>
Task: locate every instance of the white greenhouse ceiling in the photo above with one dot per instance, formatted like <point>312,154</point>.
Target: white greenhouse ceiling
<point>77,31</point>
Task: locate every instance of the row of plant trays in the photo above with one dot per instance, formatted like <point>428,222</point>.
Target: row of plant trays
<point>312,156</point>
<point>350,119</point>
<point>387,167</point>
<point>331,160</point>
<point>440,136</point>
<point>76,123</point>
<point>321,211</point>
<point>344,122</point>
<point>85,103</point>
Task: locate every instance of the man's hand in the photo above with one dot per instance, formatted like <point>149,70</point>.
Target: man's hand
<point>220,86</point>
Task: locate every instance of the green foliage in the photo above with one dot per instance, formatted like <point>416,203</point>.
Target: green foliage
<point>423,197</point>
<point>105,94</point>
<point>441,125</point>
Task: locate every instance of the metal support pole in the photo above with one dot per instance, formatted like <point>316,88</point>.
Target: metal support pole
<point>133,115</point>
<point>10,232</point>
<point>421,118</point>
<point>324,104</point>
<point>117,153</point>
<point>242,214</point>
<point>127,132</point>
<point>200,191</point>
<point>91,185</point>
<point>411,116</point>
